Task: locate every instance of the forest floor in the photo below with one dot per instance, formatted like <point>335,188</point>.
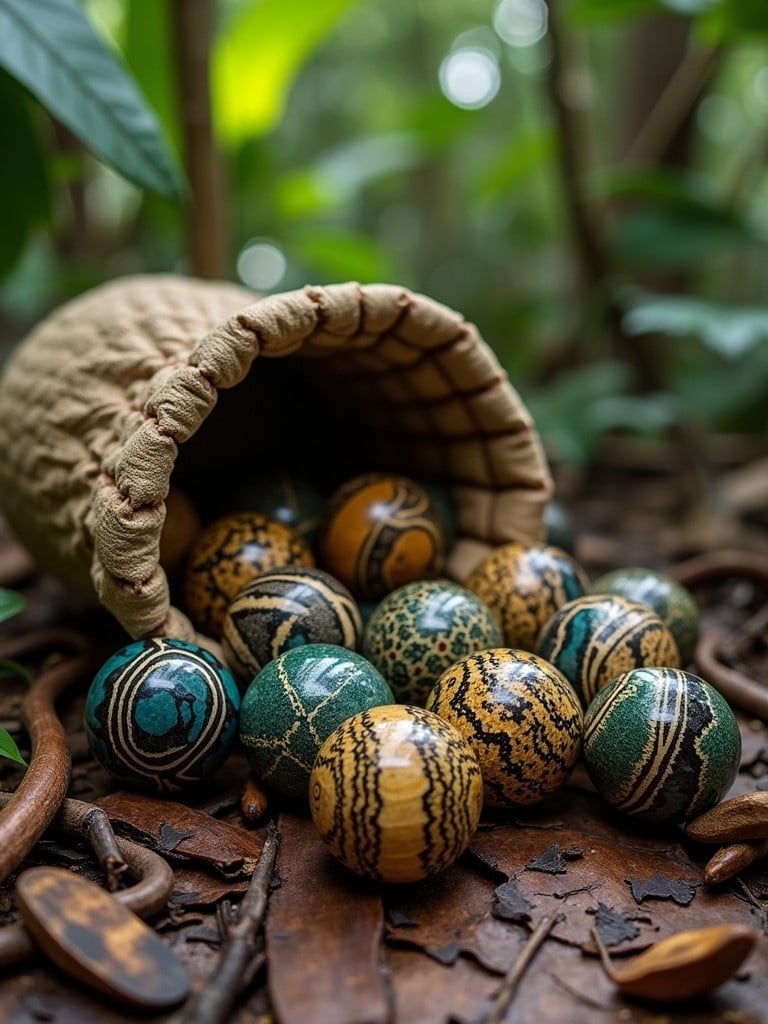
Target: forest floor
<point>338,950</point>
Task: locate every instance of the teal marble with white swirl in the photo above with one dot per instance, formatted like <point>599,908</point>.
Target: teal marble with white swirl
<point>161,714</point>
<point>594,638</point>
<point>674,605</point>
<point>661,744</point>
<point>295,703</point>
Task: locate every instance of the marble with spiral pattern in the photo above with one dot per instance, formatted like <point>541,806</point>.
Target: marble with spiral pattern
<point>593,639</point>
<point>161,714</point>
<point>520,716</point>
<point>285,609</point>
<point>396,793</point>
<point>661,745</point>
<point>380,532</point>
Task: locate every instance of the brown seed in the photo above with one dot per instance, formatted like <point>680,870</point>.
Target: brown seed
<point>683,966</point>
<point>733,821</point>
<point>730,860</point>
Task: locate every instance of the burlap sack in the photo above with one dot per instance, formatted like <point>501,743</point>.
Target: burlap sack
<point>97,401</point>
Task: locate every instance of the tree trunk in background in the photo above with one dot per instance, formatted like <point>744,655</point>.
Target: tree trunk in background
<point>207,225</point>
<point>654,50</point>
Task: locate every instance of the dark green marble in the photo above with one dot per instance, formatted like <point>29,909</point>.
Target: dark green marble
<point>560,527</point>
<point>161,714</point>
<point>593,639</point>
<point>670,600</point>
<point>661,745</point>
<point>421,629</point>
<point>295,703</point>
<point>283,496</point>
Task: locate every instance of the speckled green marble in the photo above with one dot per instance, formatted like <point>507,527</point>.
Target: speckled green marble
<point>595,638</point>
<point>661,744</point>
<point>295,703</point>
<point>161,714</point>
<point>421,629</point>
<point>524,585</point>
<point>520,716</point>
<point>670,600</point>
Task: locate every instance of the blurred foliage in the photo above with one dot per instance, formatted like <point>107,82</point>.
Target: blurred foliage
<point>355,147</point>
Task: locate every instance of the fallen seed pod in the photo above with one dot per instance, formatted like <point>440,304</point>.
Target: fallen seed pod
<point>730,860</point>
<point>683,966</point>
<point>734,821</point>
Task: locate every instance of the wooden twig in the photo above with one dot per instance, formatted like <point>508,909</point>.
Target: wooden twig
<point>32,807</point>
<point>739,690</point>
<point>149,893</point>
<point>502,1000</point>
<point>213,1002</point>
<point>206,213</point>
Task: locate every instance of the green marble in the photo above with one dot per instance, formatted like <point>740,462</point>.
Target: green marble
<point>285,497</point>
<point>421,629</point>
<point>661,745</point>
<point>670,600</point>
<point>594,638</point>
<point>560,527</point>
<point>295,703</point>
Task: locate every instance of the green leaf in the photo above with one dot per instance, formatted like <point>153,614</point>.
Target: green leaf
<point>256,59</point>
<point>13,670</point>
<point>589,12</point>
<point>340,254</point>
<point>567,414</point>
<point>731,20</point>
<point>25,198</point>
<point>691,7</point>
<point>11,604</point>
<point>9,749</point>
<point>51,48</point>
<point>728,330</point>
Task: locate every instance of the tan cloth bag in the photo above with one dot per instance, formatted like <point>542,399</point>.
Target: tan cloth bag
<point>100,399</point>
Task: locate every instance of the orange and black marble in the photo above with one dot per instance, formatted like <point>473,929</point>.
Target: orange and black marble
<point>380,532</point>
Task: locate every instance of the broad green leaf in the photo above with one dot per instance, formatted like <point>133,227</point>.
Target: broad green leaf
<point>24,188</point>
<point>51,48</point>
<point>729,330</point>
<point>9,749</point>
<point>257,57</point>
<point>587,12</point>
<point>567,415</point>
<point>510,167</point>
<point>13,670</point>
<point>678,239</point>
<point>691,7</point>
<point>730,20</point>
<point>338,254</point>
<point>11,604</point>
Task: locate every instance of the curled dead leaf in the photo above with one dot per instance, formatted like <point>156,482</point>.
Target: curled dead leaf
<point>683,966</point>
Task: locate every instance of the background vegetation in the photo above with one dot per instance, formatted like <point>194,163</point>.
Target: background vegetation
<point>583,178</point>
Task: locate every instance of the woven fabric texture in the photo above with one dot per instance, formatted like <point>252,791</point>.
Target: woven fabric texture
<point>95,403</point>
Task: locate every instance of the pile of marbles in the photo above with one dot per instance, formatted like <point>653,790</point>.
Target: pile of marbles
<point>395,703</point>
